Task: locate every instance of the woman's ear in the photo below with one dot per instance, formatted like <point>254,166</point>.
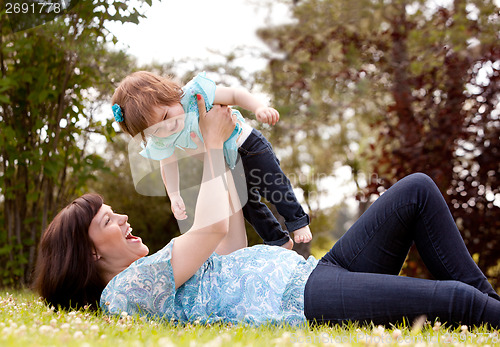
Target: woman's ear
<point>96,256</point>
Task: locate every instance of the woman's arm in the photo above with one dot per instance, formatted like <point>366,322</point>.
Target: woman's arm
<point>236,237</point>
<point>243,98</point>
<point>211,220</point>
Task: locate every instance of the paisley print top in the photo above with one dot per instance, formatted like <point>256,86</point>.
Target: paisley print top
<point>255,285</point>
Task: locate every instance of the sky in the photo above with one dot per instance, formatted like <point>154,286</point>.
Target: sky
<point>173,30</point>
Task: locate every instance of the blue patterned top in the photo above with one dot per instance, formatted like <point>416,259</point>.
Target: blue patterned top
<point>254,285</point>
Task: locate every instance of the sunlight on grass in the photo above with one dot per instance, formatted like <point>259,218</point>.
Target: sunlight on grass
<point>25,320</point>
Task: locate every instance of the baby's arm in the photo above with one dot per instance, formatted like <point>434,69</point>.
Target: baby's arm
<point>170,177</point>
<point>243,98</point>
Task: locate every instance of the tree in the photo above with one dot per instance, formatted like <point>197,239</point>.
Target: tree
<point>54,77</point>
<point>411,72</point>
<point>444,119</point>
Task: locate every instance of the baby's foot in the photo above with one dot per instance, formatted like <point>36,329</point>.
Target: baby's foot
<point>288,245</point>
<point>302,235</point>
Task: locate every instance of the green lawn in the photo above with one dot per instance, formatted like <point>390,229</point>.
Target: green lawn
<point>26,321</point>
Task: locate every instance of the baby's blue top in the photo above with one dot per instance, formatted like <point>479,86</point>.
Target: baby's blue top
<point>159,148</point>
<point>255,285</point>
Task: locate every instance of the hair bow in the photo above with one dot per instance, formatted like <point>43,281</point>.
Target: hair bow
<point>117,112</point>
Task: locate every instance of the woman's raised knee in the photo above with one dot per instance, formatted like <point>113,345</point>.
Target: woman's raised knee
<point>421,181</point>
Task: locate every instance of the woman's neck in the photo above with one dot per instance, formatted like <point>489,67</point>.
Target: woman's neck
<point>107,272</point>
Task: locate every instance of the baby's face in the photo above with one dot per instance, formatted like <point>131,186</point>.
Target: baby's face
<point>166,120</point>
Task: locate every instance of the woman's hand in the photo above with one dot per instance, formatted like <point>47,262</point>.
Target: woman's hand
<point>216,125</point>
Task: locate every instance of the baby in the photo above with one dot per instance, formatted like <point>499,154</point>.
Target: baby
<point>144,100</point>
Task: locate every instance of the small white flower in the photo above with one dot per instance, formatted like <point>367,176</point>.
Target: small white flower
<point>94,328</point>
<point>436,326</point>
<point>464,328</point>
<point>124,314</point>
<point>215,342</point>
<point>165,342</point>
<point>22,328</point>
<point>21,331</point>
<point>396,334</point>
<point>6,331</point>
<point>65,326</point>
<point>78,335</point>
<point>379,331</point>
<point>45,329</point>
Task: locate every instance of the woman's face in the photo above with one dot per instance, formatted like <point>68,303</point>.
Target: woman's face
<point>112,238</point>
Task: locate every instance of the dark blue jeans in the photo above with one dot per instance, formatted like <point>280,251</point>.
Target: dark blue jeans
<point>264,177</point>
<point>357,280</point>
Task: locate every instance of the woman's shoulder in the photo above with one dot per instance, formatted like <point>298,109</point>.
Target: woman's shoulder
<point>152,266</point>
<point>142,278</point>
<point>163,255</point>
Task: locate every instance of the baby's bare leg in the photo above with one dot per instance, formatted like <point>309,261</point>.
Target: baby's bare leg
<point>288,245</point>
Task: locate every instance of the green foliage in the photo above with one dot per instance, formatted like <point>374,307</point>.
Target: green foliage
<point>53,80</point>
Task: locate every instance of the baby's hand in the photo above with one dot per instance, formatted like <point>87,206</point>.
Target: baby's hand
<point>267,115</point>
<point>178,207</point>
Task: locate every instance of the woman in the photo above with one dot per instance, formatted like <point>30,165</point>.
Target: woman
<point>208,274</point>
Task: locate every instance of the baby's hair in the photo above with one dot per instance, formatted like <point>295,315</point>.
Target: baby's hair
<point>138,94</point>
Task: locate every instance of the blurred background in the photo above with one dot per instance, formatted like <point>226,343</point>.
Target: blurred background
<point>368,91</point>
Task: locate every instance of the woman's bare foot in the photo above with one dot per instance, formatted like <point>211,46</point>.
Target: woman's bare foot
<point>302,235</point>
<point>288,245</point>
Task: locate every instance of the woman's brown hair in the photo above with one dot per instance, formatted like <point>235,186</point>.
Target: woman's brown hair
<point>66,274</point>
<point>138,94</point>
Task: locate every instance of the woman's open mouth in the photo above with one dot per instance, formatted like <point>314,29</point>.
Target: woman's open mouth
<point>129,236</point>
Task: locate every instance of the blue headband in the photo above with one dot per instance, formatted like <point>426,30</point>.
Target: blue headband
<point>117,112</point>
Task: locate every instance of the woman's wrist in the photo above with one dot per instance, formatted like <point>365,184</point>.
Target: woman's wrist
<point>214,143</point>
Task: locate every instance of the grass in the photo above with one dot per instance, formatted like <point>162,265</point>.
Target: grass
<point>26,321</point>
